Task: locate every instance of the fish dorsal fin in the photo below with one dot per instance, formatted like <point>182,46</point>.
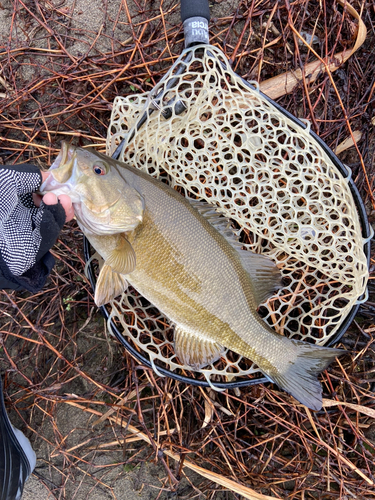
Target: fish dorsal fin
<point>217,220</point>
<point>264,273</point>
<point>195,351</point>
<point>122,259</point>
<point>108,286</point>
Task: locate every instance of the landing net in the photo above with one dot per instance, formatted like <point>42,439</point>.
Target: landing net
<point>217,139</point>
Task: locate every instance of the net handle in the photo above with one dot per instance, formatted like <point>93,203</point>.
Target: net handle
<point>194,8</point>
<point>195,15</point>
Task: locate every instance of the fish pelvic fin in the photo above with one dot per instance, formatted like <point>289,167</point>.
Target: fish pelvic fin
<point>122,259</point>
<point>194,350</point>
<point>109,285</point>
<point>300,379</point>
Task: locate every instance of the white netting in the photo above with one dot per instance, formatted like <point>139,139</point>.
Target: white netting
<point>234,149</point>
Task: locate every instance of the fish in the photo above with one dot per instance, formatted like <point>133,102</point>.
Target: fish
<point>179,254</point>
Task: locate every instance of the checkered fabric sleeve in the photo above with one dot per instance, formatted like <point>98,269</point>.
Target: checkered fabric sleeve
<point>26,231</point>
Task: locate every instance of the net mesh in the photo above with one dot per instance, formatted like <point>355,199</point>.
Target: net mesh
<point>221,141</point>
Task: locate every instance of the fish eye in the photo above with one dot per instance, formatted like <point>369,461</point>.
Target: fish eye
<point>99,169</point>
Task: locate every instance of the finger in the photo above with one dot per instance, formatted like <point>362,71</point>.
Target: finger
<point>69,214</point>
<point>50,199</point>
<point>67,205</point>
<point>45,175</point>
<point>65,201</point>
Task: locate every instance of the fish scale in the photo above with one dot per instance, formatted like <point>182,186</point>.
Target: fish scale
<point>209,273</point>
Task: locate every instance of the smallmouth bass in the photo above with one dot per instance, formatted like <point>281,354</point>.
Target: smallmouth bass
<point>176,253</point>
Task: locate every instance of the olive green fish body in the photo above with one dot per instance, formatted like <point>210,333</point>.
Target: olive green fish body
<point>177,255</point>
<point>194,276</point>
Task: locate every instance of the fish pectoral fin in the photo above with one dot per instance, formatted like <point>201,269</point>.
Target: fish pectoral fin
<point>264,274</point>
<point>109,285</point>
<point>194,350</point>
<point>122,259</point>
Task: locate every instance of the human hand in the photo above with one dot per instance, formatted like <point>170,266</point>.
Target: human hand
<point>29,227</point>
<point>52,199</point>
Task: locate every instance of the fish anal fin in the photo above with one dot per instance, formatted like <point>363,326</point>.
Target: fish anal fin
<point>264,273</point>
<point>194,350</point>
<point>109,285</point>
<point>301,378</point>
<point>122,259</point>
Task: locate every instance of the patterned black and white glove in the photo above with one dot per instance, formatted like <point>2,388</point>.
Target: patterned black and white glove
<point>27,232</point>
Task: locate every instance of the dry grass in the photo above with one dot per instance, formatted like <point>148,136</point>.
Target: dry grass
<point>54,358</point>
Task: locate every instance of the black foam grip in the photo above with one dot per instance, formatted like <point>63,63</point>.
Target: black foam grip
<point>194,8</point>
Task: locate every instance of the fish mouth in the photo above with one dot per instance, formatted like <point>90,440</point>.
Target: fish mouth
<point>65,155</point>
<point>60,180</point>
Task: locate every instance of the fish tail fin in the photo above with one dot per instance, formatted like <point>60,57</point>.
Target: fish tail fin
<point>300,379</point>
